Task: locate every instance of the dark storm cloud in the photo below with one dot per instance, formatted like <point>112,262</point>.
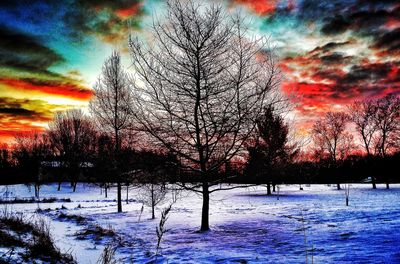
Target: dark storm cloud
<point>76,19</point>
<point>24,51</point>
<point>24,109</point>
<point>328,74</point>
<point>113,4</point>
<point>314,10</point>
<point>369,73</point>
<point>364,18</point>
<point>389,41</point>
<point>335,58</point>
<point>371,79</point>
<point>110,20</point>
<point>331,45</point>
<point>359,75</point>
<point>16,111</point>
<point>335,25</point>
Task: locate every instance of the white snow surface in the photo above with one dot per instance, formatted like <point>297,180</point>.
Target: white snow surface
<point>247,226</point>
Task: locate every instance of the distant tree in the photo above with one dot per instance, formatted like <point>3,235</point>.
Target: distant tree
<point>110,106</point>
<point>271,148</point>
<point>29,151</point>
<point>151,194</point>
<point>387,118</point>
<point>204,82</point>
<point>156,169</point>
<point>72,136</point>
<point>5,157</point>
<point>101,162</point>
<point>387,121</point>
<point>362,114</point>
<point>331,139</point>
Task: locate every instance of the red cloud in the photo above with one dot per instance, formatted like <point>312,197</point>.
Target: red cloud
<point>129,11</point>
<point>260,7</point>
<point>64,89</point>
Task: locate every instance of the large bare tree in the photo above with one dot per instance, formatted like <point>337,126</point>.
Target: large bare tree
<point>110,106</point>
<point>330,136</point>
<point>72,136</point>
<point>204,82</point>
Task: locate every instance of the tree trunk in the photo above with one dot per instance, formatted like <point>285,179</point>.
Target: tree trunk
<point>373,183</point>
<point>274,187</point>
<point>74,186</point>
<point>37,191</point>
<point>59,186</point>
<point>119,201</point>
<point>205,210</point>
<point>153,216</point>
<point>338,186</point>
<point>347,201</point>
<point>387,185</point>
<point>268,188</point>
<point>127,193</point>
<point>105,190</point>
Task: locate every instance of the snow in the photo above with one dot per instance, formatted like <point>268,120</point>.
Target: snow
<point>246,225</point>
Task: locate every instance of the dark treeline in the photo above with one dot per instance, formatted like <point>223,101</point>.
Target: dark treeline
<point>33,159</point>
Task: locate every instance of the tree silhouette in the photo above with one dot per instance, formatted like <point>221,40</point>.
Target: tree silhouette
<point>362,114</point>
<point>110,107</point>
<point>387,121</point>
<point>204,85</point>
<point>72,136</point>
<point>271,147</point>
<point>331,138</point>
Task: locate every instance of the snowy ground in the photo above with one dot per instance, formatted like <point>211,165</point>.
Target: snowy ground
<point>246,225</point>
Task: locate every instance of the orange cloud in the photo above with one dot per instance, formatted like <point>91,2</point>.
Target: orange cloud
<point>23,115</point>
<point>65,89</point>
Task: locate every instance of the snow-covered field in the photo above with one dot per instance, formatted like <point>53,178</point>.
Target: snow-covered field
<point>246,225</point>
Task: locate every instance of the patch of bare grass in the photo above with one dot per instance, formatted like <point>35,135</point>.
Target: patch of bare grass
<point>33,236</point>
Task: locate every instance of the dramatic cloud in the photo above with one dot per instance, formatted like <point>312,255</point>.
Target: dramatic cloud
<point>24,115</point>
<point>389,41</point>
<point>260,7</point>
<point>25,64</point>
<point>65,89</point>
<point>24,51</point>
<point>107,19</point>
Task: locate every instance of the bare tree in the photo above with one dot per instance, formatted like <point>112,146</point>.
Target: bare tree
<point>72,135</point>
<point>153,170</point>
<point>204,83</point>
<point>5,156</point>
<point>362,114</point>
<point>151,194</point>
<point>329,134</point>
<point>387,121</point>
<point>110,107</point>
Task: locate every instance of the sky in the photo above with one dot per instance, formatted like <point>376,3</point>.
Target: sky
<point>331,52</point>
